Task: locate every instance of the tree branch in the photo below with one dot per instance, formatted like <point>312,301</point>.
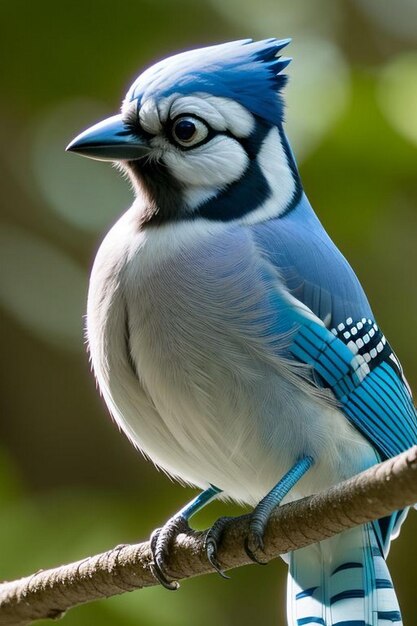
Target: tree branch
<point>379,491</point>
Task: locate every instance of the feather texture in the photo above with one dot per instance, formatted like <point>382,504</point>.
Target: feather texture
<point>313,268</point>
<point>343,581</point>
<point>228,334</point>
<point>195,366</point>
<point>245,71</point>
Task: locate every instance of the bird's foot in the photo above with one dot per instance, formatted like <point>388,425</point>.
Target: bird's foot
<point>253,544</point>
<point>213,539</point>
<point>161,543</point>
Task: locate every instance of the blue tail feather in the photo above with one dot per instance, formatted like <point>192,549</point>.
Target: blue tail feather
<point>343,581</point>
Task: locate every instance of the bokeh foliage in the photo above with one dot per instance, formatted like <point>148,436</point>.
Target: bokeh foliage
<point>70,485</point>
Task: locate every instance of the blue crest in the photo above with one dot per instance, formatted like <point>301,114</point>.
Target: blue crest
<point>246,71</point>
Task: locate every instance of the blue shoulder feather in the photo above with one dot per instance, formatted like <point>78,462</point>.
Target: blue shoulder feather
<point>312,267</point>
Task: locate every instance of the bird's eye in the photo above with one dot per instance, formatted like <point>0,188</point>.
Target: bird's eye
<point>188,131</point>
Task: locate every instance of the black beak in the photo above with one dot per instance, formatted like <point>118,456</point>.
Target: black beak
<point>110,140</point>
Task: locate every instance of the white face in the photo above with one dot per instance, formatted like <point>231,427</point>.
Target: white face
<point>197,138</point>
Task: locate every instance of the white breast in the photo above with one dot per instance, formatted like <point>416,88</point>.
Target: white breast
<point>176,328</point>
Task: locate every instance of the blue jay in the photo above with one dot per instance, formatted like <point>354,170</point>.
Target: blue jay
<point>231,340</point>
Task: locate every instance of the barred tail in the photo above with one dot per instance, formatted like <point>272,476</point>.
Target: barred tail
<point>343,581</point>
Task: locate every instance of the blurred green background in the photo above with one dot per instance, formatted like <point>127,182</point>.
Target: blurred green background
<point>70,484</point>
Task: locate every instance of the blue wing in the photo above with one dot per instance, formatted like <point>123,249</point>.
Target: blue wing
<point>345,347</point>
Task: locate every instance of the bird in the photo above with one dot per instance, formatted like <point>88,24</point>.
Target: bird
<point>230,338</point>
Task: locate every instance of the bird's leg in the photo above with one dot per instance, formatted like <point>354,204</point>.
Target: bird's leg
<point>162,538</point>
<point>258,519</point>
<point>261,513</point>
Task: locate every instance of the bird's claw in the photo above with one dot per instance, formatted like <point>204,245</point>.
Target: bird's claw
<point>157,572</point>
<point>211,552</point>
<point>254,544</point>
<point>161,542</point>
<point>212,541</point>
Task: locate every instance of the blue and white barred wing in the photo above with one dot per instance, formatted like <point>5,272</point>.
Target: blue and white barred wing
<point>340,339</point>
<point>334,332</point>
<point>373,394</point>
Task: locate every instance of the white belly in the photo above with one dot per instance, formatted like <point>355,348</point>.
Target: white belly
<point>175,320</point>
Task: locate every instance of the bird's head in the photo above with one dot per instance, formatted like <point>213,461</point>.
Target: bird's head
<point>200,134</point>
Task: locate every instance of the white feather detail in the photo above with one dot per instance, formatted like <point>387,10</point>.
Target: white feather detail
<point>164,105</point>
<point>192,105</point>
<point>196,196</point>
<point>177,335</point>
<point>217,163</point>
<point>220,113</point>
<point>274,165</point>
<point>239,120</point>
<point>149,117</point>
